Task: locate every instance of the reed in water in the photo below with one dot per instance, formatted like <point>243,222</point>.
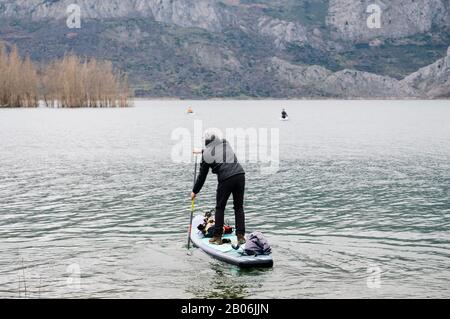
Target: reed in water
<point>69,82</point>
<point>73,82</point>
<point>18,80</point>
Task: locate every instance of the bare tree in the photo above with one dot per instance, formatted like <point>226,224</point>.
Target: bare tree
<point>72,82</point>
<point>67,82</point>
<point>18,80</point>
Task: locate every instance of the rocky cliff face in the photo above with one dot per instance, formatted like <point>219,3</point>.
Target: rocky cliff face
<point>343,84</point>
<point>251,48</point>
<point>282,32</point>
<point>399,18</point>
<point>348,18</point>
<point>204,14</point>
<point>432,81</point>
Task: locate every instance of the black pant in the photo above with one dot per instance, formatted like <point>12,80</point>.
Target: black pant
<point>234,185</point>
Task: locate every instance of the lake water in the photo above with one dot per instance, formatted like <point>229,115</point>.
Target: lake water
<point>92,204</point>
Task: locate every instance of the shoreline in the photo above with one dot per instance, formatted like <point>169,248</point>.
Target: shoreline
<point>142,99</point>
<point>290,99</point>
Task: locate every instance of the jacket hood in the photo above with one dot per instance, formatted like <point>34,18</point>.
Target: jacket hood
<point>213,141</point>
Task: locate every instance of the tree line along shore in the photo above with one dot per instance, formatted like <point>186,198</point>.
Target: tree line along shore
<point>69,82</point>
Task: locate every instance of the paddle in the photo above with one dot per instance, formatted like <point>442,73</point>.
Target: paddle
<point>192,207</point>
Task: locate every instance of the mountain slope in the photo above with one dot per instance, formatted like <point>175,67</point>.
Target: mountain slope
<point>247,48</point>
<point>433,80</point>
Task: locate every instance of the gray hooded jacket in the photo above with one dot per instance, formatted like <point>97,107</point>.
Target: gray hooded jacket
<point>219,156</point>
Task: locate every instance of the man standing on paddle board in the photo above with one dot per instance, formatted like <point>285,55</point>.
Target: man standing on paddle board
<point>220,158</point>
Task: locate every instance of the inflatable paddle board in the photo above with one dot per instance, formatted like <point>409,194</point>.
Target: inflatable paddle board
<point>226,252</point>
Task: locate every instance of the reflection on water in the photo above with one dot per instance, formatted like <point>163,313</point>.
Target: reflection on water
<point>226,282</point>
<point>221,284</point>
<point>361,185</point>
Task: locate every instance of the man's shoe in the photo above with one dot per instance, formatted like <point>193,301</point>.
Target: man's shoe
<point>241,239</point>
<point>216,240</point>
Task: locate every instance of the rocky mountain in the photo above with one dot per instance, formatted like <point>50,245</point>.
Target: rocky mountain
<point>342,84</point>
<point>433,80</point>
<point>248,48</point>
<point>400,18</point>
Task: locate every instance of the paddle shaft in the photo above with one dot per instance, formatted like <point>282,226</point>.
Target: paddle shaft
<point>192,206</point>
